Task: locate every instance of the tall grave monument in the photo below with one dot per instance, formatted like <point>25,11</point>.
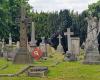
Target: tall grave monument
<point>33,41</point>
<point>92,55</point>
<point>69,56</point>
<point>68,34</point>
<point>22,55</point>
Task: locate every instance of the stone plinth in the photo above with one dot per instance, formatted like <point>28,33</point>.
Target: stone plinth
<point>38,72</point>
<point>92,57</point>
<point>22,57</point>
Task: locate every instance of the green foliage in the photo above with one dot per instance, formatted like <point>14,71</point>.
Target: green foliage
<point>46,24</point>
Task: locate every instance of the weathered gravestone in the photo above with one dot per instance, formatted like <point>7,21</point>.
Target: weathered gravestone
<point>9,52</point>
<point>75,42</point>
<point>0,49</point>
<point>43,47</point>
<point>33,41</point>
<point>38,71</point>
<point>3,44</point>
<point>92,55</point>
<point>22,55</point>
<point>69,56</point>
<point>17,44</point>
<point>10,39</point>
<point>60,47</point>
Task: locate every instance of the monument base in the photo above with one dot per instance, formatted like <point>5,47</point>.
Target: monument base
<point>70,56</point>
<point>22,56</point>
<point>92,57</point>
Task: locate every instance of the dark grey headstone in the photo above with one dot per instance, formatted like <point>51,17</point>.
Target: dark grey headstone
<point>69,56</point>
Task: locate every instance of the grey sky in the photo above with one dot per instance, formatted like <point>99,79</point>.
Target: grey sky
<point>56,5</point>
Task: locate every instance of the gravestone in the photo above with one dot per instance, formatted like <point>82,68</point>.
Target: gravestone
<point>9,52</point>
<point>33,41</point>
<point>68,34</point>
<point>3,44</point>
<point>17,44</point>
<point>75,42</point>
<point>0,49</point>
<point>38,71</point>
<point>69,56</point>
<point>60,47</point>
<point>92,55</point>
<point>22,55</point>
<point>10,39</point>
<point>43,47</point>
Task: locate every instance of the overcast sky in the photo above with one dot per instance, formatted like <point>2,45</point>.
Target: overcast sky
<point>56,5</point>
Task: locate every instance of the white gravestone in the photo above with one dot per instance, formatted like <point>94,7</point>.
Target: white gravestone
<point>75,42</point>
<point>60,47</point>
<point>43,47</point>
<point>68,33</point>
<point>10,39</point>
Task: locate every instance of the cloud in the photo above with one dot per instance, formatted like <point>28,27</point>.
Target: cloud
<point>56,5</point>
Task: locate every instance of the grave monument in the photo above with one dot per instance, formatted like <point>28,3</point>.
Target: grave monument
<point>69,56</point>
<point>43,47</point>
<point>60,47</point>
<point>22,55</point>
<point>92,55</point>
<point>33,41</point>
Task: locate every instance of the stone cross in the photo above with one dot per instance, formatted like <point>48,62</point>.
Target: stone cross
<point>22,55</point>
<point>59,39</point>
<point>10,39</point>
<point>60,47</point>
<point>33,42</point>
<point>68,33</point>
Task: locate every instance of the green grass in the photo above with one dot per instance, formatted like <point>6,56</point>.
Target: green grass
<point>62,71</point>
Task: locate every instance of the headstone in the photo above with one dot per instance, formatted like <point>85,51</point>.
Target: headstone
<point>60,47</point>
<point>22,55</point>
<point>68,33</point>
<point>75,43</point>
<point>43,47</point>
<point>9,52</point>
<point>17,44</point>
<point>69,56</point>
<point>10,39</point>
<point>0,49</point>
<point>33,41</point>
<point>92,55</point>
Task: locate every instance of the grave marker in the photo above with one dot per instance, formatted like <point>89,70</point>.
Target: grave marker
<point>68,34</point>
<point>22,55</point>
<point>60,47</point>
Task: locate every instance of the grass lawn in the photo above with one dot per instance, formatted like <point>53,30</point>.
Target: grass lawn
<point>62,71</point>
